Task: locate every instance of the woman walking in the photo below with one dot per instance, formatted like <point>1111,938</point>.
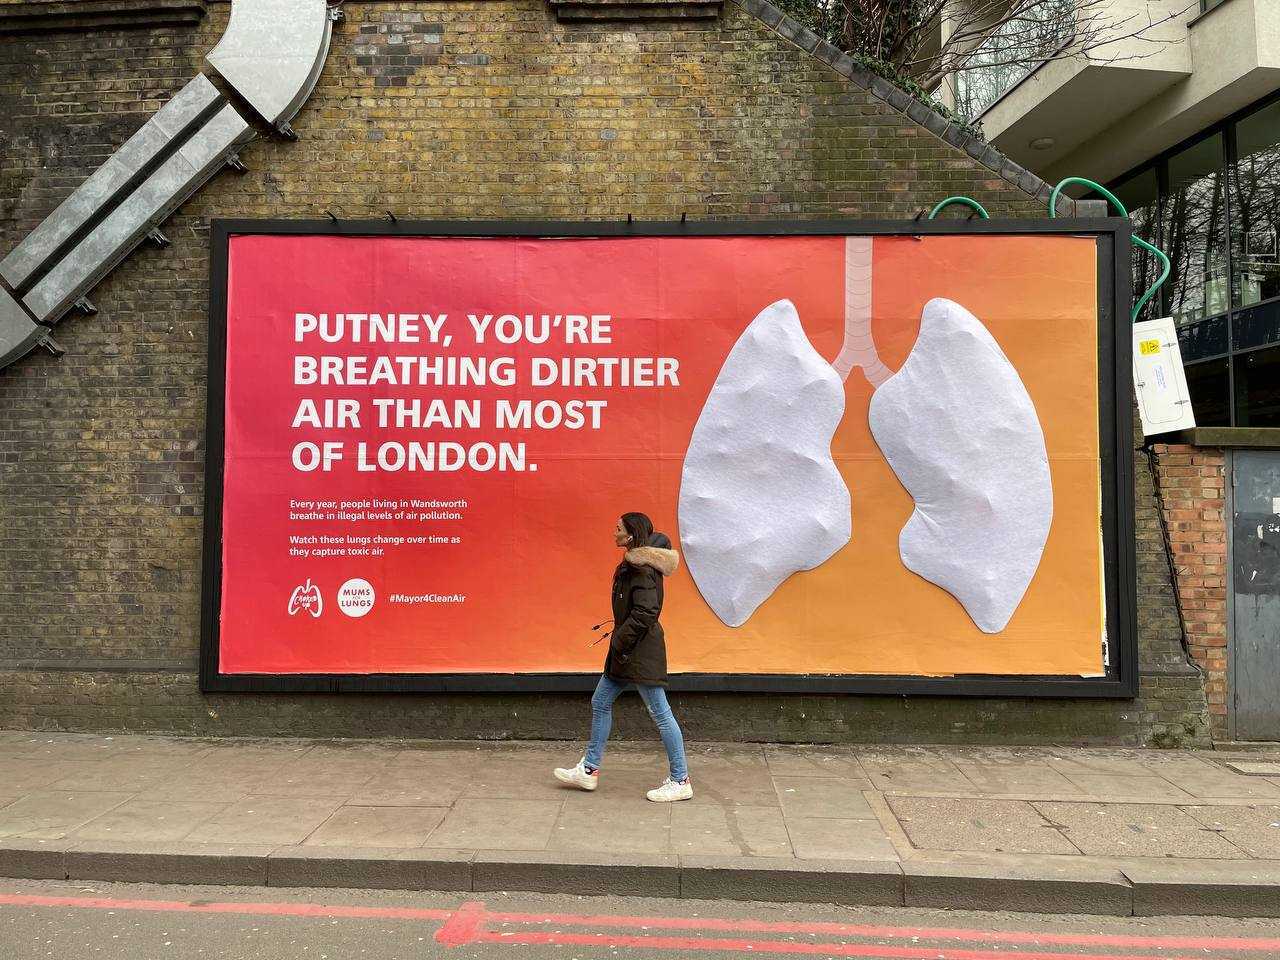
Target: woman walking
<point>637,657</point>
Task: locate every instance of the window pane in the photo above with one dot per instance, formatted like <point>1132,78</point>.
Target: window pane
<point>1204,338</point>
<point>1258,388</point>
<point>1138,194</point>
<point>1255,207</point>
<point>1193,233</point>
<point>1256,326</point>
<point>1137,191</point>
<point>1210,397</point>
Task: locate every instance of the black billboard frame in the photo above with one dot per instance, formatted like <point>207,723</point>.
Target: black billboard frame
<point>1115,436</point>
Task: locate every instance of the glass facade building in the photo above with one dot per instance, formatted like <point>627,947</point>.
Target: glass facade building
<point>1213,205</point>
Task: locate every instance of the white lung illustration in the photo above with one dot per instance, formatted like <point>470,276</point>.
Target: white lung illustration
<point>958,428</point>
<point>760,497</point>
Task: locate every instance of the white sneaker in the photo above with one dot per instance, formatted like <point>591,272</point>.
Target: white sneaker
<point>578,776</point>
<point>671,791</point>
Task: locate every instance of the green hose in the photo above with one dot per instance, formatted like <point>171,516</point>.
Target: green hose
<point>1137,240</point>
<point>964,201</point>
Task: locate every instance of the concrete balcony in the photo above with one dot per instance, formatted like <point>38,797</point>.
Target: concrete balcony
<point>1063,103</point>
<point>1100,117</point>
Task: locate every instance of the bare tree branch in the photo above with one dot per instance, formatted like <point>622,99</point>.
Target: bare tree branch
<point>984,46</point>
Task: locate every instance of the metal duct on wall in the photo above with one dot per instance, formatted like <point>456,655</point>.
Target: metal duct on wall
<point>272,53</point>
<point>128,224</point>
<point>117,175</point>
<point>18,334</point>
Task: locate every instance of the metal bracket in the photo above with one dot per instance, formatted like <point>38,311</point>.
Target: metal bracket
<point>236,164</point>
<point>336,14</point>
<point>157,237</point>
<point>52,345</point>
<point>85,306</point>
<point>286,131</point>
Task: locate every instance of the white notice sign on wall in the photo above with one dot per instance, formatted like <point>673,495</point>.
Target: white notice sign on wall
<point>1163,400</point>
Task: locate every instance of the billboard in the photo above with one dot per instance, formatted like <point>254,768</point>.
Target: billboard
<point>888,459</point>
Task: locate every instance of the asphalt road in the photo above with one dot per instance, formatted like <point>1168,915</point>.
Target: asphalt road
<point>70,921</point>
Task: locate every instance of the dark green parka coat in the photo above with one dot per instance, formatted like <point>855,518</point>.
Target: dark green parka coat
<point>637,647</point>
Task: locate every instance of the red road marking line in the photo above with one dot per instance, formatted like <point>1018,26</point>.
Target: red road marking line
<point>275,909</point>
<point>535,938</point>
<point>469,919</point>
<point>881,932</point>
<point>466,925</point>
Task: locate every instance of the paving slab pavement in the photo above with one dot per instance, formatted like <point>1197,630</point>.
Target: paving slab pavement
<point>1137,830</point>
<point>1053,829</point>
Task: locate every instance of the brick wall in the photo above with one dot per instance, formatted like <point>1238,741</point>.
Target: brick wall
<point>1192,487</point>
<point>486,109</point>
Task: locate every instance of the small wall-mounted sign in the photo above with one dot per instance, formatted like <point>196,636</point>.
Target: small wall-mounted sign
<point>1160,381</point>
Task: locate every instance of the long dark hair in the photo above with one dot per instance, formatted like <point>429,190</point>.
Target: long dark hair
<point>640,528</point>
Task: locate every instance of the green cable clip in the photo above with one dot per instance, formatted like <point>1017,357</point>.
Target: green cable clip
<point>963,201</point>
<point>1137,240</point>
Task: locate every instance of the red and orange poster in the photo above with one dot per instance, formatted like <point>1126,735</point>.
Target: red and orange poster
<point>428,441</point>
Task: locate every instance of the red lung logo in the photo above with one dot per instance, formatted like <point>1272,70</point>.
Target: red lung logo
<point>306,597</point>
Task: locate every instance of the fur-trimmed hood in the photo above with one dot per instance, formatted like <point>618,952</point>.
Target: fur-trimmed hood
<point>657,554</point>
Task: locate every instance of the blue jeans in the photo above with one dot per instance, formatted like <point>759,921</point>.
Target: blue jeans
<point>655,699</point>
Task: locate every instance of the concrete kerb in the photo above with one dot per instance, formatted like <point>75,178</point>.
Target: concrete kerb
<point>1204,888</point>
<point>1041,885</point>
<point>1045,886</point>
<point>785,880</point>
<point>33,859</point>
<point>122,862</point>
<point>370,868</point>
<point>578,874</point>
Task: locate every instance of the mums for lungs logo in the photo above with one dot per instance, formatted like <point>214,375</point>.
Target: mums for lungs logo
<point>306,598</point>
<point>355,597</point>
